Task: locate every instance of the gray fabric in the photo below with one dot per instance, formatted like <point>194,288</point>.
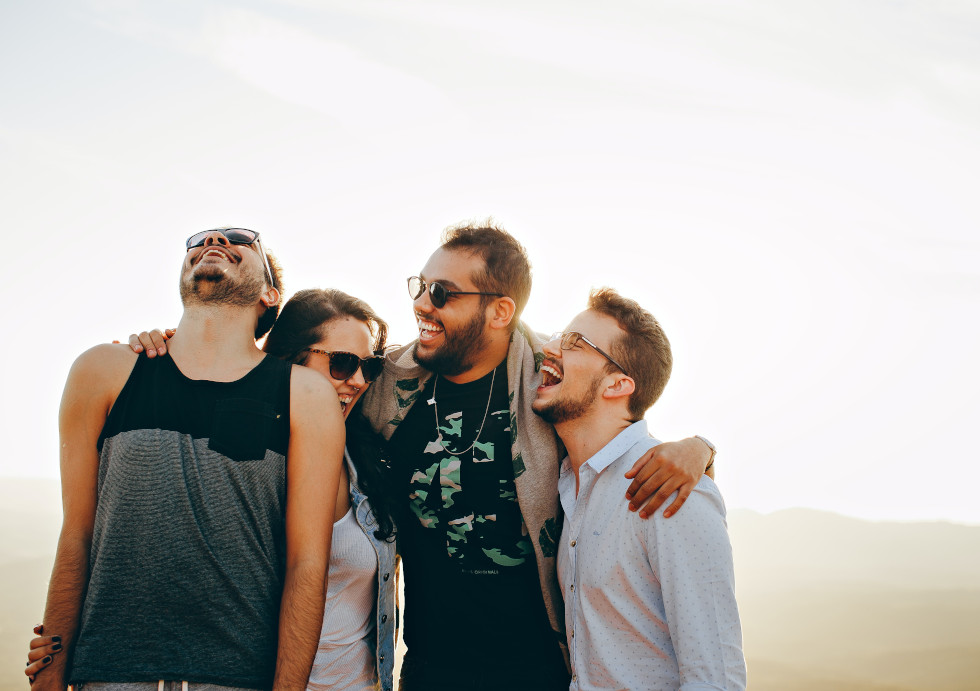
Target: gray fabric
<point>186,564</point>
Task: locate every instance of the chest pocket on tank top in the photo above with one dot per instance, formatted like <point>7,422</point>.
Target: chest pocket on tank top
<point>241,428</point>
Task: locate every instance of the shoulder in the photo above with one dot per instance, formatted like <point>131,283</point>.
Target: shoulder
<point>103,366</point>
<point>309,385</point>
<point>700,525</point>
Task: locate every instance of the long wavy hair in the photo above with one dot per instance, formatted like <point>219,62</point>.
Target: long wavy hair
<point>305,320</point>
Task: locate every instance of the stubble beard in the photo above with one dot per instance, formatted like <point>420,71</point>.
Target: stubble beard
<point>210,285</point>
<point>459,350</point>
<point>561,410</point>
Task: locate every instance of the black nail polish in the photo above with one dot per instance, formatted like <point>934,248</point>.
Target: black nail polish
<point>47,659</point>
<point>56,646</point>
<point>56,639</point>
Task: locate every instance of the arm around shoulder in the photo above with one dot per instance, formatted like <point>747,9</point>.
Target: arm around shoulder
<point>316,451</point>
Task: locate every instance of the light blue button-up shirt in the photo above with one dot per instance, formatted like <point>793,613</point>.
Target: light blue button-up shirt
<point>649,604</point>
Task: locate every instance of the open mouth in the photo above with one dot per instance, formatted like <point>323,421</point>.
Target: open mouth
<point>346,399</point>
<point>428,330</point>
<point>550,374</point>
<point>215,253</point>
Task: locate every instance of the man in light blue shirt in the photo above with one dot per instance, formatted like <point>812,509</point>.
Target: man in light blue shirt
<point>648,604</point>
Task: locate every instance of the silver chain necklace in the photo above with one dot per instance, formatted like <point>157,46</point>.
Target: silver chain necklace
<point>432,402</point>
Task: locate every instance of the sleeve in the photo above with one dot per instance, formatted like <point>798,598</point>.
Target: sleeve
<point>691,556</point>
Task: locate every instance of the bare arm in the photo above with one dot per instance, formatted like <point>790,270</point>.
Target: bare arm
<point>93,383</point>
<point>316,450</point>
<point>670,467</point>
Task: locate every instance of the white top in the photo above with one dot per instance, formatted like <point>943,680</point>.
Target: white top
<point>649,604</point>
<point>345,656</point>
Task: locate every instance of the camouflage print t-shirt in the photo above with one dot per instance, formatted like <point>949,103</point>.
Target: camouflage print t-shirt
<point>473,603</point>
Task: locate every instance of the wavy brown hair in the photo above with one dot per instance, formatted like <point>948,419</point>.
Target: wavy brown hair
<point>304,321</point>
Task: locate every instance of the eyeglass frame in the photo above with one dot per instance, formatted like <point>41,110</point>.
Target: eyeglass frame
<point>255,241</point>
<point>561,336</point>
<point>360,362</point>
<point>424,286</point>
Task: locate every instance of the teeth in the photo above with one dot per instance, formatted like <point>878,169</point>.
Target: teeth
<point>552,371</point>
<point>217,253</point>
<point>431,327</point>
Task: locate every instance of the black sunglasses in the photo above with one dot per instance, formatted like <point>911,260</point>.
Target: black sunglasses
<point>343,365</point>
<point>438,293</point>
<point>236,236</point>
<point>570,338</point>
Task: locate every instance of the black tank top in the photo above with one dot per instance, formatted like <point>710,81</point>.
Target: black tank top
<point>187,559</point>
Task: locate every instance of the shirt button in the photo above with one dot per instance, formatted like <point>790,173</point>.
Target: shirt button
<point>386,576</point>
<point>573,543</point>
<point>384,618</point>
<point>571,587</point>
<point>381,657</point>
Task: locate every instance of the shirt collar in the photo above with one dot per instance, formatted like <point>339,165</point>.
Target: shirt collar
<point>618,446</point>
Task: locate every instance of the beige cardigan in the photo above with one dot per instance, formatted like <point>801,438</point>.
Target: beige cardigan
<point>535,449</point>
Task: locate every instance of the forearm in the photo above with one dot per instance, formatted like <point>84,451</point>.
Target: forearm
<point>62,611</point>
<point>300,620</point>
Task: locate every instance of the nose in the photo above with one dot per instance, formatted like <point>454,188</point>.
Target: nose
<point>216,237</point>
<point>357,379</point>
<point>552,348</point>
<point>422,303</point>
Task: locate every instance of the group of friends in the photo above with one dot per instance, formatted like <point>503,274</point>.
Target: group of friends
<point>233,515</point>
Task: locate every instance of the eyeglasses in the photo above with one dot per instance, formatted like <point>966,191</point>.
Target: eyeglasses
<point>438,293</point>
<point>236,236</point>
<point>570,338</point>
<point>343,365</point>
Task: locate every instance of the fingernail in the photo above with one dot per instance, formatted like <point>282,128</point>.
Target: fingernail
<point>56,646</point>
<point>39,629</point>
<point>151,352</point>
<point>56,639</point>
<point>632,506</point>
<point>643,514</point>
<point>162,350</point>
<point>47,659</point>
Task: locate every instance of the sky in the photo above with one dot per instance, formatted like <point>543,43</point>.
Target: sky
<point>785,185</point>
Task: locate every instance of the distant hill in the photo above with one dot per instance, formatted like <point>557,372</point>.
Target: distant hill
<point>827,602</point>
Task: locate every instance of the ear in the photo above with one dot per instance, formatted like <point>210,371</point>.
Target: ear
<point>621,386</point>
<point>270,297</point>
<point>501,312</point>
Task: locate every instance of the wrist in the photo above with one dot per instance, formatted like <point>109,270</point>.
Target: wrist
<point>711,451</point>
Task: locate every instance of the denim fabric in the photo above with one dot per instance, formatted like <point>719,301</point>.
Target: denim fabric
<point>151,686</point>
<point>385,609</point>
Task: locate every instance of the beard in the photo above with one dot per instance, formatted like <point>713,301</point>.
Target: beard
<point>459,349</point>
<point>560,410</point>
<point>209,285</point>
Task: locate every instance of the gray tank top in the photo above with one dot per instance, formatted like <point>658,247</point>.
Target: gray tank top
<point>186,566</point>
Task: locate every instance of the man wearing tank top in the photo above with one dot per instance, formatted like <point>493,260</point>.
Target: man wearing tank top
<point>475,476</point>
<point>198,496</point>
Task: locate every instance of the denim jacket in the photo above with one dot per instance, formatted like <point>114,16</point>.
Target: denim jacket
<point>385,609</point>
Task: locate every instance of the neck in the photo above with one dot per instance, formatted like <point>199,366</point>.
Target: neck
<point>585,436</point>
<point>215,342</point>
<point>489,358</point>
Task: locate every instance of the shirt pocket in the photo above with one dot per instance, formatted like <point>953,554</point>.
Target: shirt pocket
<point>241,428</point>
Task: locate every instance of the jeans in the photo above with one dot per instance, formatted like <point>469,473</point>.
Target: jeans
<point>153,686</point>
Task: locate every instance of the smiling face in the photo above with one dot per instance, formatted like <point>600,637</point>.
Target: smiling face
<point>571,379</point>
<point>219,272</point>
<point>349,335</point>
<point>451,337</point>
